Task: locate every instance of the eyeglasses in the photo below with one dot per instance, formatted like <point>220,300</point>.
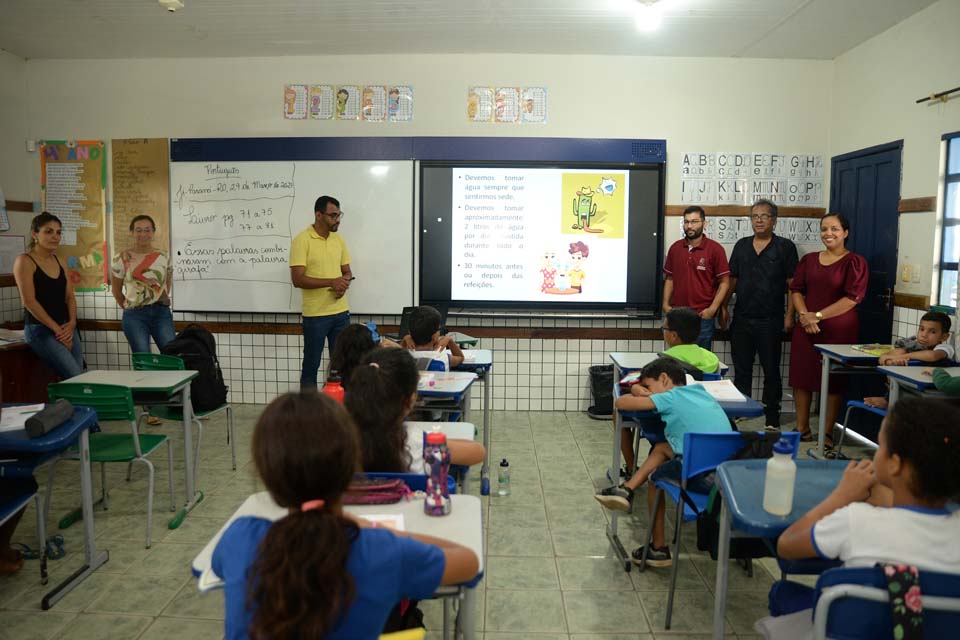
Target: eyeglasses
<point>690,223</point>
<point>665,328</point>
<point>761,216</point>
<point>335,216</point>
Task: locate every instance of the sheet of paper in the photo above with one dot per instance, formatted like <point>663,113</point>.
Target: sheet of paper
<point>723,390</point>
<point>14,418</point>
<point>389,520</point>
<point>427,380</point>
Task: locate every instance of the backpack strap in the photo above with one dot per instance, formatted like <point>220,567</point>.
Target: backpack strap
<point>906,606</point>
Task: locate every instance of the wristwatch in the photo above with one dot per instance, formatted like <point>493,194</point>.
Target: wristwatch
<point>818,315</point>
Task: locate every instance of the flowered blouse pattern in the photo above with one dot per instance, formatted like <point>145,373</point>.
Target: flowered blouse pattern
<point>144,276</point>
<point>906,607</point>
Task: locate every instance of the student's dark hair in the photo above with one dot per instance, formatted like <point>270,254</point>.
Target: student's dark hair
<point>763,202</point>
<point>322,202</point>
<point>140,218</point>
<point>352,345</point>
<point>305,447</point>
<point>424,322</point>
<point>696,209</point>
<point>926,434</point>
<point>686,322</point>
<point>667,365</point>
<point>938,316</point>
<point>842,219</point>
<point>380,387</point>
<point>39,222</point>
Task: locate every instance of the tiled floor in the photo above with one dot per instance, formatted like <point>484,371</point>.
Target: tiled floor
<point>549,571</point>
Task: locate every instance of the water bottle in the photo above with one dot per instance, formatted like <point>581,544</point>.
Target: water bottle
<point>503,478</point>
<point>332,387</point>
<point>436,464</point>
<point>780,478</point>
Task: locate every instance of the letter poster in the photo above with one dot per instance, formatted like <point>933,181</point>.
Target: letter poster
<point>73,179</point>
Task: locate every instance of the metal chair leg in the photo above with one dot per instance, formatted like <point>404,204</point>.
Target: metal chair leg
<point>42,534</point>
<point>675,570</point>
<point>196,450</point>
<point>149,499</point>
<point>48,499</point>
<point>129,471</point>
<point>103,486</point>
<point>173,504</point>
<point>653,516</point>
<point>232,436</point>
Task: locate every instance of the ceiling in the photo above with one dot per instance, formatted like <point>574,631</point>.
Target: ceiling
<point>816,29</point>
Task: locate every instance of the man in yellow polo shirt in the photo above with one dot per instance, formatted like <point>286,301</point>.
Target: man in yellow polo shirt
<point>320,267</point>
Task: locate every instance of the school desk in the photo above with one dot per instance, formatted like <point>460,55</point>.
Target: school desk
<point>154,388</point>
<point>741,484</point>
<point>38,451</point>
<point>480,362</point>
<point>462,526</point>
<point>842,359</point>
<point>912,378</point>
<point>450,392</point>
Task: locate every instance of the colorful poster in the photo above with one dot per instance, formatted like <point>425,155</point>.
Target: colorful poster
<point>73,183</point>
<point>321,102</point>
<point>140,182</point>
<point>400,103</point>
<point>348,102</point>
<point>480,104</point>
<point>374,102</point>
<point>507,104</point>
<point>295,98</point>
<point>534,105</point>
<point>592,204</point>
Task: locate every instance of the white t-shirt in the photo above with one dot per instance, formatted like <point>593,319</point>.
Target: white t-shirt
<point>862,535</point>
<point>423,359</point>
<point>415,448</point>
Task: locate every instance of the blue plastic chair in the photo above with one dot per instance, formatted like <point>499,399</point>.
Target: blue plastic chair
<point>701,452</point>
<point>853,604</point>
<point>856,404</point>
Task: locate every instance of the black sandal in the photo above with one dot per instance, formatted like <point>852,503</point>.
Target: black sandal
<point>806,436</point>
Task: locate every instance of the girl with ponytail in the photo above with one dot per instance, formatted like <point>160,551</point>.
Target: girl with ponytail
<point>383,391</point>
<point>319,572</point>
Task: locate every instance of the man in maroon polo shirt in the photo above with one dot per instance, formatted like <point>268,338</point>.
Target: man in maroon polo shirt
<point>697,274</point>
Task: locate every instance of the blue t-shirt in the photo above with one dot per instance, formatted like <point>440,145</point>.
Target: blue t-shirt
<point>689,409</point>
<point>385,567</point>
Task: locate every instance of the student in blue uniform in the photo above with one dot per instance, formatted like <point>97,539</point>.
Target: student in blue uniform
<point>320,572</point>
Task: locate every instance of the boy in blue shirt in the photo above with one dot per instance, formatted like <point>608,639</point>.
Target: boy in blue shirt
<point>683,408</point>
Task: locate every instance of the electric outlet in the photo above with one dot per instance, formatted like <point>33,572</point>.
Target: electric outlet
<point>905,273</point>
<point>915,275</point>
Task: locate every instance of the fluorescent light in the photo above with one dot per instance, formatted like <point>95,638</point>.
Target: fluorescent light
<point>648,16</point>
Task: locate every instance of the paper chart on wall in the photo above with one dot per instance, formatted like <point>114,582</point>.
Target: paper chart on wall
<point>480,104</point>
<point>400,103</point>
<point>534,105</point>
<point>374,102</point>
<point>507,104</point>
<point>737,178</point>
<point>295,97</point>
<point>348,102</point>
<point>321,102</point>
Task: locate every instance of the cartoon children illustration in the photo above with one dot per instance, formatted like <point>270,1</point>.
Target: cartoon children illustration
<point>548,270</point>
<point>289,102</point>
<point>578,253</point>
<point>393,102</point>
<point>584,208</point>
<point>342,96</point>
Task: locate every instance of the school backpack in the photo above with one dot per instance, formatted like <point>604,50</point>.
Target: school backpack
<point>757,446</point>
<point>198,350</point>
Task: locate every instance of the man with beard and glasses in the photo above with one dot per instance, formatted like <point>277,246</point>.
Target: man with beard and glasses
<point>697,274</point>
<point>320,267</point>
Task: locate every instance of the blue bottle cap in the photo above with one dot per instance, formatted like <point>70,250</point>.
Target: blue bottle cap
<point>783,446</point>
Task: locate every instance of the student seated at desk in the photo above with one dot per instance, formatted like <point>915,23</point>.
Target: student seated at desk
<point>943,381</point>
<point>383,391</point>
<point>684,409</point>
<point>427,342</point>
<point>681,327</point>
<point>320,572</point>
<point>889,510</point>
<point>353,345</point>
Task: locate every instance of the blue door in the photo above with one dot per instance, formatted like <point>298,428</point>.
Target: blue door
<point>865,187</point>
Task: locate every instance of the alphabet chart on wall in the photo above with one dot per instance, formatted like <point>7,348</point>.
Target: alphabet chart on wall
<point>737,178</point>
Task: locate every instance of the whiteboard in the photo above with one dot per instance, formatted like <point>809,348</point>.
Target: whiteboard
<point>232,223</point>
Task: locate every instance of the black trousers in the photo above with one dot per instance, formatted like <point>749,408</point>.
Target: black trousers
<point>761,337</point>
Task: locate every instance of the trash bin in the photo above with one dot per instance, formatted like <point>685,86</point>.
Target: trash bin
<point>601,389</point>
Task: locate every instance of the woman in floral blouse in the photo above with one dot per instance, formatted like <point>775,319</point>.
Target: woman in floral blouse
<point>141,286</point>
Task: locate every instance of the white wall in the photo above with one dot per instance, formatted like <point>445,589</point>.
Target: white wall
<point>875,87</point>
<point>15,169</point>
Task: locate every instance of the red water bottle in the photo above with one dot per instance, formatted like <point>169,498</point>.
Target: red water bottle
<point>333,388</point>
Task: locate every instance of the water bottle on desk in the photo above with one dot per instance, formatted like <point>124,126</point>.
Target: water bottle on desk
<point>436,464</point>
<point>780,478</point>
<point>333,388</point>
<point>503,478</point>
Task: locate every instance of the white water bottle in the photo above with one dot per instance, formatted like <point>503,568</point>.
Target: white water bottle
<point>781,475</point>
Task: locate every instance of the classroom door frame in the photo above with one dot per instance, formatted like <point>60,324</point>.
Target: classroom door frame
<point>865,187</point>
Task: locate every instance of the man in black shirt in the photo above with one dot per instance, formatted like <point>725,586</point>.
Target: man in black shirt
<point>761,268</point>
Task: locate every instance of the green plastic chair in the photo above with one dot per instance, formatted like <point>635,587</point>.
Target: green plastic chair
<point>114,402</point>
<point>159,362</point>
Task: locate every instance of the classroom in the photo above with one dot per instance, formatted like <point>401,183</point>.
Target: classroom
<point>820,87</point>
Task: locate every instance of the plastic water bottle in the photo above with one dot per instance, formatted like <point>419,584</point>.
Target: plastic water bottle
<point>780,479</point>
<point>503,478</point>
<point>332,387</point>
<point>436,464</point>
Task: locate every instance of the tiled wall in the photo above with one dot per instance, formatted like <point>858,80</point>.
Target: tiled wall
<point>529,375</point>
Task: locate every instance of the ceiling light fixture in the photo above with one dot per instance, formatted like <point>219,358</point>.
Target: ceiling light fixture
<point>171,5</point>
<point>649,15</point>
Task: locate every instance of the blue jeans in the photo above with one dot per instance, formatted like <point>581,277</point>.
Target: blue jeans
<point>141,323</point>
<point>44,343</point>
<point>707,327</point>
<point>316,330</point>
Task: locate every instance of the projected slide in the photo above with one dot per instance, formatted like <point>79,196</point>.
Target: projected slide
<point>531,234</point>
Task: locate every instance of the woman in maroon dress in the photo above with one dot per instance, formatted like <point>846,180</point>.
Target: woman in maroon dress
<point>826,289</point>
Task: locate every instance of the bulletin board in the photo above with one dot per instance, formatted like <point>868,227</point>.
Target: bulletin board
<point>141,186</point>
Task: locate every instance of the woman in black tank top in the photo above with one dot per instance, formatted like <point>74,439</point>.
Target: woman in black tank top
<point>50,323</point>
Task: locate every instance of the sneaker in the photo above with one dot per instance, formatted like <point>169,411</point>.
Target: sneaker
<point>655,557</point>
<point>619,498</point>
<point>771,428</point>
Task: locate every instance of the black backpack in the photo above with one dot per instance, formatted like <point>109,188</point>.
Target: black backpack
<point>198,350</point>
<point>758,446</point>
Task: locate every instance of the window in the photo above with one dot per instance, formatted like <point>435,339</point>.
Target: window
<point>950,250</point>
